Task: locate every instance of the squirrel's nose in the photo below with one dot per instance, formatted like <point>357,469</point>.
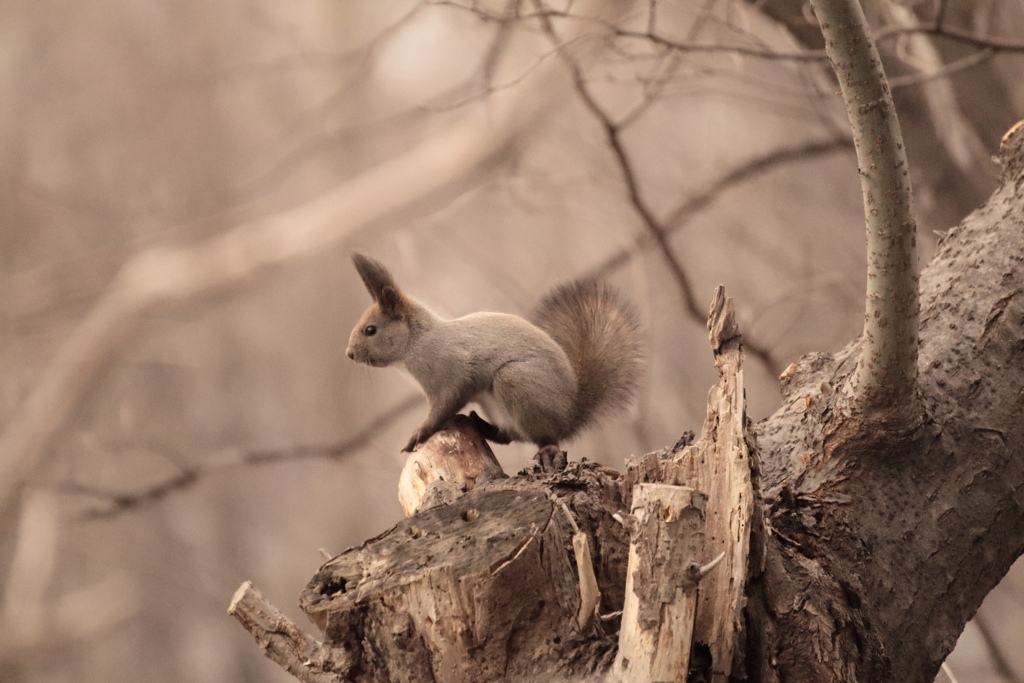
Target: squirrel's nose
<point>350,353</point>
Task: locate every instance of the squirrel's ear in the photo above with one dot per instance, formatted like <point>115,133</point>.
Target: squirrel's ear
<point>379,283</point>
<point>375,276</point>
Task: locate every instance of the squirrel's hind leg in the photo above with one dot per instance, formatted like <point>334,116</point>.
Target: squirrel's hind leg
<point>551,458</point>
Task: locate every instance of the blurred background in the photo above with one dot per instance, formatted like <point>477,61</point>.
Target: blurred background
<point>227,438</point>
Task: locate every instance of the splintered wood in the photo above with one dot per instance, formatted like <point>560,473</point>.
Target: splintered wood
<point>721,468</point>
<point>718,465</point>
<point>460,592</point>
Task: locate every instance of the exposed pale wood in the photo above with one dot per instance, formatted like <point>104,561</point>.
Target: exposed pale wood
<point>719,465</point>
<point>282,641</point>
<point>661,583</point>
<point>480,587</point>
<point>590,594</point>
<point>450,463</point>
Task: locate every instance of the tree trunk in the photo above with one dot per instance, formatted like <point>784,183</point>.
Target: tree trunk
<point>882,544</point>
<point>870,547</point>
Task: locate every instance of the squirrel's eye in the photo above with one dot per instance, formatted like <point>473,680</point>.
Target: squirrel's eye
<point>370,330</point>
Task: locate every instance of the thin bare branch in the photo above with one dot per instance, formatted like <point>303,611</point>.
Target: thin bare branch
<point>166,278</point>
<point>119,502</point>
<point>613,134</point>
<point>953,128</point>
<point>959,35</point>
<point>745,50</point>
<point>944,71</point>
<point>694,204</point>
<point>656,230</point>
<point>757,166</point>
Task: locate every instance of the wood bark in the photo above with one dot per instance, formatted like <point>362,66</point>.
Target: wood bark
<point>881,544</point>
<point>281,639</point>
<point>484,588</point>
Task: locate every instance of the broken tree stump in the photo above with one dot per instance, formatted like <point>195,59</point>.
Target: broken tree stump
<point>722,466</point>
<point>481,587</point>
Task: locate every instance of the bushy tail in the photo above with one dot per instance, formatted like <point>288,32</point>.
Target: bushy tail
<point>601,335</point>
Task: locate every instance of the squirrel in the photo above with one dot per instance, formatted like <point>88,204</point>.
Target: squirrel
<point>540,380</point>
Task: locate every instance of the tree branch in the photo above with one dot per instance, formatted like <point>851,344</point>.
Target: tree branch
<point>943,71</point>
<point>745,50</point>
<point>656,230</point>
<point>119,502</point>
<point>680,216</point>
<point>953,128</point>
<point>886,375</point>
<point>282,640</point>
<point>959,35</point>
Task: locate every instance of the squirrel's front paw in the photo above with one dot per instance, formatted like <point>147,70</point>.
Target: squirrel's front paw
<point>418,437</point>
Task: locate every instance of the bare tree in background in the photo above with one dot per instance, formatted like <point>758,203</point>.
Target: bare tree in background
<point>172,338</point>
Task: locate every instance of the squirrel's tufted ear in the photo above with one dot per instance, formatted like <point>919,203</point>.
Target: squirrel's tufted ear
<point>379,284</point>
<point>375,276</point>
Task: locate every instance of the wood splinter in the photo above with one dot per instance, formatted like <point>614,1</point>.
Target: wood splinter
<point>590,593</point>
<point>706,569</point>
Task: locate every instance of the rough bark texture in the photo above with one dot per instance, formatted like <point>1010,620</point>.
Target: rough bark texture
<point>282,641</point>
<point>883,544</point>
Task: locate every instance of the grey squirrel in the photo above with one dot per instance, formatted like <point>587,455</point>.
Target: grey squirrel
<point>540,381</point>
